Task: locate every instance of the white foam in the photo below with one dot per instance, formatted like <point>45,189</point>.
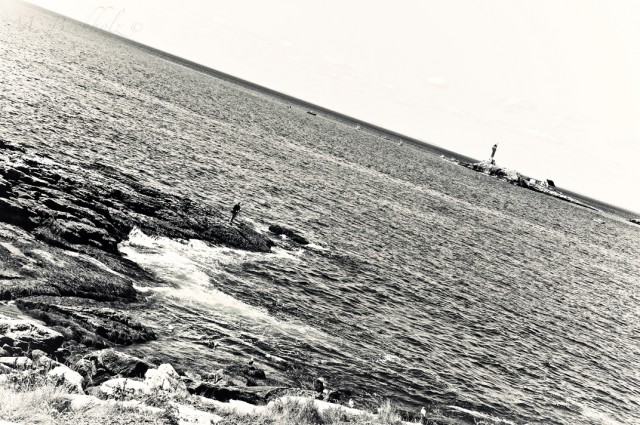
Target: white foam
<point>481,415</point>
<point>598,417</point>
<point>316,247</point>
<point>188,265</point>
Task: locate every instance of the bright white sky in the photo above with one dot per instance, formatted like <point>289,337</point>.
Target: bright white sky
<point>555,82</point>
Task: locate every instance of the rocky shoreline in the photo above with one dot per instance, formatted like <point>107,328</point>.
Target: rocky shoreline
<point>60,226</point>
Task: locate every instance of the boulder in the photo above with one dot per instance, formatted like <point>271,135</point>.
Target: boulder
<point>26,335</point>
<point>165,378</point>
<point>288,232</point>
<point>117,363</point>
<point>635,220</point>
<point>70,378</point>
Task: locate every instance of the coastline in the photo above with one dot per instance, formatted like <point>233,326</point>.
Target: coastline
<point>59,230</point>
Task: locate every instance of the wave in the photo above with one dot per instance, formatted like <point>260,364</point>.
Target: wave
<point>188,266</point>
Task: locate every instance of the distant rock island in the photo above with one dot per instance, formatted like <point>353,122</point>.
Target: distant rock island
<point>514,177</point>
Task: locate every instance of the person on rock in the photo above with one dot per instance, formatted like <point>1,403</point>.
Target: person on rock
<point>234,212</point>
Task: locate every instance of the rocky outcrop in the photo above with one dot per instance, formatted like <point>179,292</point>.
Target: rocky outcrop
<point>113,363</point>
<point>289,233</point>
<point>87,321</point>
<point>28,335</point>
<point>68,377</point>
<point>635,220</point>
<point>165,378</point>
<point>98,205</point>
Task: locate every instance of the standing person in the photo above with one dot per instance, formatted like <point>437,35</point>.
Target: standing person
<point>493,150</point>
<point>234,212</point>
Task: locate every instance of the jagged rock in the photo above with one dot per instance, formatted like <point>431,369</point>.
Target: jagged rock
<point>165,378</point>
<point>635,220</point>
<point>253,395</point>
<point>87,321</point>
<point>288,232</point>
<point>69,377</point>
<point>117,363</point>
<point>15,212</point>
<point>28,335</point>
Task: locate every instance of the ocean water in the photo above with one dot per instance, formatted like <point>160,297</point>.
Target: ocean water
<point>425,283</point>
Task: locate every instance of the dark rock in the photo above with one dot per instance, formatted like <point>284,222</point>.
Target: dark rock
<point>117,363</point>
<point>258,395</point>
<point>24,335</point>
<point>15,212</point>
<point>318,385</point>
<point>5,186</point>
<point>288,232</point>
<point>13,175</point>
<point>245,371</point>
<point>339,396</point>
<point>10,147</point>
<point>635,220</point>
<point>87,321</point>
<point>77,232</point>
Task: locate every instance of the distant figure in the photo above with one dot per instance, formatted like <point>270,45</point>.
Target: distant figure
<point>423,416</point>
<point>318,386</point>
<point>493,150</point>
<point>234,212</point>
<point>351,403</point>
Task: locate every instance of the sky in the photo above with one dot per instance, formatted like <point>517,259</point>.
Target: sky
<point>556,83</point>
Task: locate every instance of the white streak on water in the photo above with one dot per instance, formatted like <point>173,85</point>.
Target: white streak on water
<point>185,264</point>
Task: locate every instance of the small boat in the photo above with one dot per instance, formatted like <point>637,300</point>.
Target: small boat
<point>311,113</point>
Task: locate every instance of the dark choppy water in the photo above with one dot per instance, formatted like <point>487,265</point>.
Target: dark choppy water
<point>426,282</point>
